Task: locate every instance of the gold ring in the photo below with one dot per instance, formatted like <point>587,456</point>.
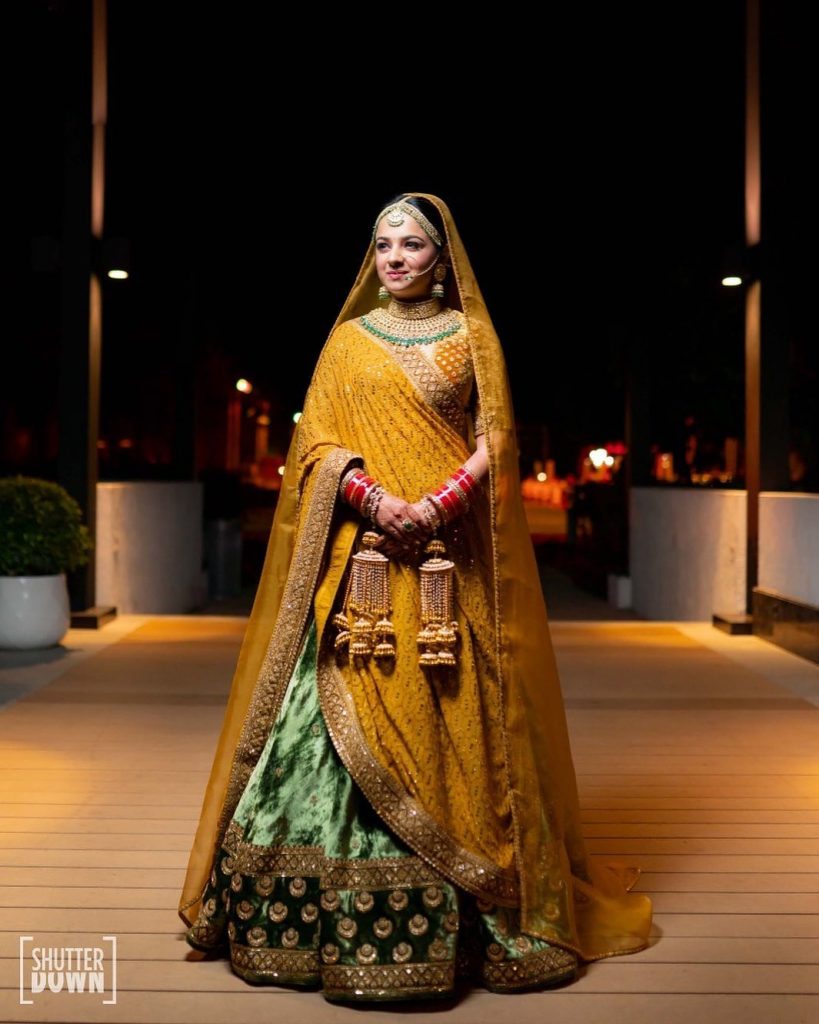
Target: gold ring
<point>408,525</point>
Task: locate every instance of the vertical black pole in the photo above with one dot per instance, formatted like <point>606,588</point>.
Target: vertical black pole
<point>76,464</point>
<point>84,80</point>
<point>777,250</point>
<point>766,343</point>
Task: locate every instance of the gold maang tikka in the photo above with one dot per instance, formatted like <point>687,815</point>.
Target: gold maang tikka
<point>395,214</point>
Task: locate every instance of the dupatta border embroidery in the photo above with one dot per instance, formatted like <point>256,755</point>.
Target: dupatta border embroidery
<point>286,636</point>
<point>400,811</point>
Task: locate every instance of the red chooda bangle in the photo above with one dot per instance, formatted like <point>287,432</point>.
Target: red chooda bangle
<point>357,488</point>
<point>456,494</point>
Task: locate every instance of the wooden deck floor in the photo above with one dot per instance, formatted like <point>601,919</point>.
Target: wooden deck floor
<point>697,755</point>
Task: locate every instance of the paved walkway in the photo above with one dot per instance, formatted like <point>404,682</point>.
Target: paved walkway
<point>697,755</point>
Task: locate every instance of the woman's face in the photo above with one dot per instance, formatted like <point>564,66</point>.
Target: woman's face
<point>401,251</point>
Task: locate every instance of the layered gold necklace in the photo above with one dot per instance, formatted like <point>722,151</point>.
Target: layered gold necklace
<point>412,323</point>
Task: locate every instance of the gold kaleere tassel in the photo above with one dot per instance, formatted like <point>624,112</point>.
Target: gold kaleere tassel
<point>439,632</point>
<point>367,603</point>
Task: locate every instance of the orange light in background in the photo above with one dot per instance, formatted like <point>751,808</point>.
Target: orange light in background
<point>664,466</point>
<point>600,457</point>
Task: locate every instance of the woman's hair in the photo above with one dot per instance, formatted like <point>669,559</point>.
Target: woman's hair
<point>429,210</point>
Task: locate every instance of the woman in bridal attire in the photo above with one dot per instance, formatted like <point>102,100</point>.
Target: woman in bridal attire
<point>393,804</point>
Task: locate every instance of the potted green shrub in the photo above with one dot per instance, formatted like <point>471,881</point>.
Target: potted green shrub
<point>41,539</point>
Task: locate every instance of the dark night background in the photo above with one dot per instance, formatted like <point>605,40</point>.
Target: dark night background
<point>593,160</point>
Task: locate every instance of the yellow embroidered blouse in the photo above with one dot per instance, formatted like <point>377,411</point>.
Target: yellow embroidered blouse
<point>443,372</point>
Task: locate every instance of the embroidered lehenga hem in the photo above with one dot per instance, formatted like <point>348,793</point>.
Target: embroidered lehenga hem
<point>357,914</point>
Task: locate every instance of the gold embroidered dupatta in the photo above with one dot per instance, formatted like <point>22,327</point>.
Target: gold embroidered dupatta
<point>514,834</point>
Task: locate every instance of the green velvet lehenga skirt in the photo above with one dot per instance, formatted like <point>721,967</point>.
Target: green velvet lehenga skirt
<point>311,889</point>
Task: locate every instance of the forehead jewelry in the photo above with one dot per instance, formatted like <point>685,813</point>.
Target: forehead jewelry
<point>395,214</point>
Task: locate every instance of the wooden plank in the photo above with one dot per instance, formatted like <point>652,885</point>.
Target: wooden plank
<point>630,974</point>
<point>735,903</point>
<point>779,926</point>
<point>120,895</point>
<point>754,786</point>
<point>88,801</point>
<point>685,950</point>
<point>675,814</point>
<point>95,810</point>
<point>803,848</point>
<point>97,841</point>
<point>726,881</point>
<point>688,803</point>
<point>37,826</point>
<point>69,859</point>
<point>625,770</point>
<point>567,1006</point>
<point>694,863</point>
<point>703,830</point>
<point>51,878</point>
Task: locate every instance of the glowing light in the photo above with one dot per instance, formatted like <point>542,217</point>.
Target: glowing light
<point>281,470</point>
<point>118,275</point>
<point>244,386</point>
<point>732,282</point>
<point>598,457</point>
<point>541,477</point>
<point>296,417</point>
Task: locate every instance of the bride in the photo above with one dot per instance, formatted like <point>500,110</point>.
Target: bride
<point>393,803</point>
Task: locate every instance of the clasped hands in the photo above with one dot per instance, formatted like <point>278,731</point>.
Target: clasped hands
<point>392,514</point>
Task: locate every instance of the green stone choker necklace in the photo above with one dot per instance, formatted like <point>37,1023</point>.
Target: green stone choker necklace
<point>411,323</point>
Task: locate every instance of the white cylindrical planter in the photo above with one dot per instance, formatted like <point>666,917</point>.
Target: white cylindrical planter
<point>34,611</point>
<point>687,550</point>
<point>149,546</point>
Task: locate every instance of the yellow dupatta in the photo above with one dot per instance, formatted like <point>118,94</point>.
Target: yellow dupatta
<point>521,843</point>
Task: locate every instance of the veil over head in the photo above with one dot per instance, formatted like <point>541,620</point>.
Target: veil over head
<point>597,915</point>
